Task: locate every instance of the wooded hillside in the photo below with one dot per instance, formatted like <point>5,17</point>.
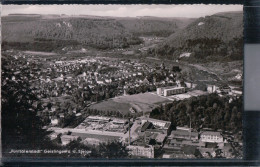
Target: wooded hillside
<point>216,37</point>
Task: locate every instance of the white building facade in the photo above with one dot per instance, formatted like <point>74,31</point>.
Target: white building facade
<point>167,91</point>
<point>211,137</point>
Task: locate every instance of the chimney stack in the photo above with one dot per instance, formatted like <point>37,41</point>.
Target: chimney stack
<point>129,131</point>
<point>190,127</point>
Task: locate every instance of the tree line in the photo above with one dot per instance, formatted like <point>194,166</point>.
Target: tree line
<point>208,111</point>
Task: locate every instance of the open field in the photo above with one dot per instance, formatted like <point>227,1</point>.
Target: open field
<point>143,102</point>
<point>111,105</point>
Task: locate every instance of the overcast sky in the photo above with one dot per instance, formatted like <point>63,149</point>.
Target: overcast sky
<point>122,10</point>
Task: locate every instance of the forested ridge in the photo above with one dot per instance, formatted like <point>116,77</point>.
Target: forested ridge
<point>98,32</point>
<point>210,38</point>
<point>93,32</point>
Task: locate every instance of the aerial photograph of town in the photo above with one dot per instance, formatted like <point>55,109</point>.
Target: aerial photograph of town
<point>119,81</point>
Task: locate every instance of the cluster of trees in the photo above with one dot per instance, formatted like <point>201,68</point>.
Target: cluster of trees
<point>208,111</point>
<point>21,128</point>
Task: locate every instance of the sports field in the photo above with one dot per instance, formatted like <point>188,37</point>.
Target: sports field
<point>143,102</point>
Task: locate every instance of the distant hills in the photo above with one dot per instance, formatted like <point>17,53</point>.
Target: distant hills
<point>219,36</point>
<point>155,26</point>
<point>210,38</point>
<point>96,31</point>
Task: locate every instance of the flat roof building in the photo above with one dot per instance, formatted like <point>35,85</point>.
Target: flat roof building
<point>174,91</point>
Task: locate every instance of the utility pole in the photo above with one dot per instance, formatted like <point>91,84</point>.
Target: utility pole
<point>190,125</point>
<point>144,138</point>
